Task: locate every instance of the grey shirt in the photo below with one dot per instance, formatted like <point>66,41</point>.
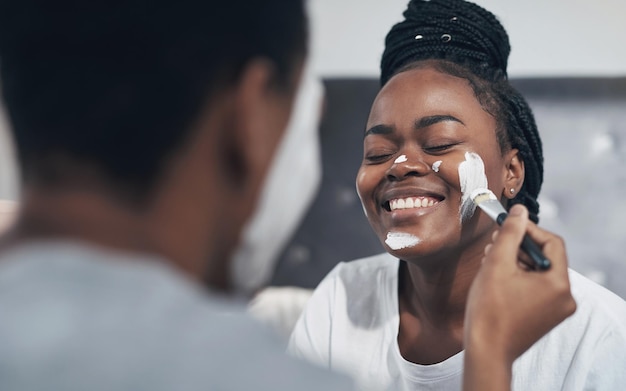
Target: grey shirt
<point>76,317</point>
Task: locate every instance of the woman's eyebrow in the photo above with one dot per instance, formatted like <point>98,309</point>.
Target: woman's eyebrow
<point>421,123</point>
<point>378,129</point>
<point>425,122</point>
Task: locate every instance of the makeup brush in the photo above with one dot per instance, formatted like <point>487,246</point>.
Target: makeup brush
<point>487,201</point>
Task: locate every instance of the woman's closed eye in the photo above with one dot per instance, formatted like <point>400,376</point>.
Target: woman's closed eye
<point>378,157</point>
<point>438,149</point>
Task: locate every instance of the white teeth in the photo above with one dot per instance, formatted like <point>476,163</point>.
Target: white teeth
<point>411,203</point>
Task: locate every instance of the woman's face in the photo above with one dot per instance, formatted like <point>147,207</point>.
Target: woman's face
<point>428,144</point>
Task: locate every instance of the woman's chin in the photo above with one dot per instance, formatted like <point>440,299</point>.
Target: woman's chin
<point>410,248</point>
<point>411,253</point>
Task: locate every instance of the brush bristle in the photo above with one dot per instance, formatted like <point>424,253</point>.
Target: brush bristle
<point>482,195</point>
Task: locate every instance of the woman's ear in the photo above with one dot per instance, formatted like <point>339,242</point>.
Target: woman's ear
<point>513,174</point>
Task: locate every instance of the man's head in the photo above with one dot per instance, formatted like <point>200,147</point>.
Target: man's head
<point>168,107</point>
<point>119,85</point>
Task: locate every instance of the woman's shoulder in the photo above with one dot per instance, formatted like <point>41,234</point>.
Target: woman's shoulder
<point>369,281</point>
<point>593,295</point>
<point>591,341</point>
<point>369,268</point>
<point>593,299</point>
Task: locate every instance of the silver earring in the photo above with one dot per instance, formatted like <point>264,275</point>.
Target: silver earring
<point>512,191</point>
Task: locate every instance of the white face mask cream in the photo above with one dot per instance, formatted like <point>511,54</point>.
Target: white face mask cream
<point>400,159</point>
<point>436,165</point>
<point>472,176</point>
<point>400,240</point>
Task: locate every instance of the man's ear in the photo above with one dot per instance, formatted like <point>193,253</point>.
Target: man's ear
<point>260,113</point>
<point>514,173</point>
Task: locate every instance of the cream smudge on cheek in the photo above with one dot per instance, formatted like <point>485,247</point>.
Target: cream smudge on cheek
<point>400,240</point>
<point>436,165</point>
<point>472,176</point>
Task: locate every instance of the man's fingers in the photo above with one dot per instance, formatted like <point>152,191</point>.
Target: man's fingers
<point>511,234</point>
<point>551,245</point>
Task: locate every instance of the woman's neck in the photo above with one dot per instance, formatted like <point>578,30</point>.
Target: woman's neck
<point>432,303</point>
<point>437,296</point>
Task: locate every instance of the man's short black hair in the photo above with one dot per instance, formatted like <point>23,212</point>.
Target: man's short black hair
<point>118,84</point>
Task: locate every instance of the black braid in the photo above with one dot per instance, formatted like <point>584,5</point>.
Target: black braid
<point>477,51</point>
<point>444,29</point>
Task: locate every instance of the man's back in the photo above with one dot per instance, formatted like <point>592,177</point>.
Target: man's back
<point>76,317</point>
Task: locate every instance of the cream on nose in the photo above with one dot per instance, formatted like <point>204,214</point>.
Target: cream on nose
<point>402,166</point>
<point>400,159</point>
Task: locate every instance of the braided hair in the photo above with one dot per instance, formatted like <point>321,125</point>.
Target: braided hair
<point>462,39</point>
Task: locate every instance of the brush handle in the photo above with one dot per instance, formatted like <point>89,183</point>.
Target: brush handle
<point>530,248</point>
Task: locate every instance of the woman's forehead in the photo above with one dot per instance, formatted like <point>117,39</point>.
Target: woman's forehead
<point>421,92</point>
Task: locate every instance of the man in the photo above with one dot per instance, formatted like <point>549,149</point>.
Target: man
<point>144,131</point>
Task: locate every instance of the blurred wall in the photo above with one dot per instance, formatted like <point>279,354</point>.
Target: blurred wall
<point>548,37</point>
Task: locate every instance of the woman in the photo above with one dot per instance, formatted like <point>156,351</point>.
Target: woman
<point>445,122</point>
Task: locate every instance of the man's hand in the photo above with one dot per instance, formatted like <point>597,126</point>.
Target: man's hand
<point>510,307</point>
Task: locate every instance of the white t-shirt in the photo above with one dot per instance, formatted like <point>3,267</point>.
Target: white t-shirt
<point>351,325</point>
<point>74,317</point>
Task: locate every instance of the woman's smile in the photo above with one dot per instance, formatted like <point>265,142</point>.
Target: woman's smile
<point>418,202</point>
<point>404,204</point>
<point>410,203</point>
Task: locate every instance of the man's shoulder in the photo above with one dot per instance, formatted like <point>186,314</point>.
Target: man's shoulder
<point>240,353</point>
<point>132,326</point>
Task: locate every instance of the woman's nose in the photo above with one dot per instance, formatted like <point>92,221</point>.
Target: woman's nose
<point>407,165</point>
